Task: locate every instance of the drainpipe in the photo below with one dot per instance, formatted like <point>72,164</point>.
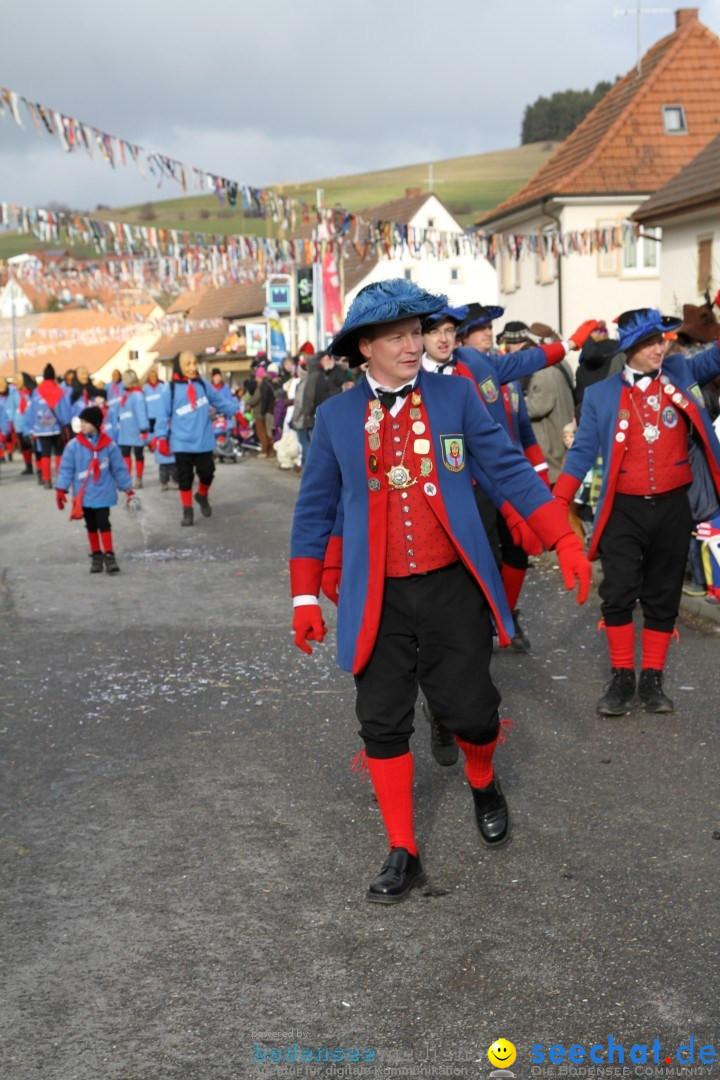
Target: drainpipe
<point>556,219</point>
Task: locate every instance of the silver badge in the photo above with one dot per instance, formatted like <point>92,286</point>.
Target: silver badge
<point>374,484</point>
<point>430,489</point>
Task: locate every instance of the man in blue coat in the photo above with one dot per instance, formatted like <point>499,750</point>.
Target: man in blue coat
<point>420,588</point>
<point>650,425</point>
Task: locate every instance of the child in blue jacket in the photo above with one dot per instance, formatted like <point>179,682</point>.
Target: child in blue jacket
<point>184,428</point>
<point>130,418</point>
<point>48,421</point>
<point>94,466</point>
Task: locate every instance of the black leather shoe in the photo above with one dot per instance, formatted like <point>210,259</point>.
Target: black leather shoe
<point>619,693</point>
<point>400,873</point>
<point>442,742</point>
<point>204,504</point>
<point>492,814</point>
<point>650,691</point>
<point>187,518</point>
<point>519,642</point>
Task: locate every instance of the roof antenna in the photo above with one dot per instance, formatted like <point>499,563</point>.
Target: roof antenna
<point>640,11</point>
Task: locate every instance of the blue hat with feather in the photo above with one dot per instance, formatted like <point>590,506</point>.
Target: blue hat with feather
<point>382,302</point>
<point>447,314</point>
<point>638,325</point>
<point>479,315</point>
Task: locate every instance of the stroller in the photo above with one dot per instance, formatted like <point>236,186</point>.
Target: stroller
<point>232,442</point>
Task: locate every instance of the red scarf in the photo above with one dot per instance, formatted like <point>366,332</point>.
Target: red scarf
<point>192,396</point>
<point>24,401</point>
<point>130,390</point>
<point>94,466</point>
<point>50,392</point>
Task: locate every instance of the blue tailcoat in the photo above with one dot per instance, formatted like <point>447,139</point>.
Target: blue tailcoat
<point>336,478</point>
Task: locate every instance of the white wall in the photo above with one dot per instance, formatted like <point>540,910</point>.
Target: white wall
<point>679,283</point>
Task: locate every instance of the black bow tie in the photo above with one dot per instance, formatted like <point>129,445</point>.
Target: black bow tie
<point>389,397</point>
<point>638,375</point>
<point>451,363</point>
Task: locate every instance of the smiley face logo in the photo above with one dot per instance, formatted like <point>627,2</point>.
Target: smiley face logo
<point>502,1054</point>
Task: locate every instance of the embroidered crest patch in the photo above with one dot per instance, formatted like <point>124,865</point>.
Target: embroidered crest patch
<point>489,390</point>
<point>696,393</point>
<point>453,452</point>
<point>514,400</point>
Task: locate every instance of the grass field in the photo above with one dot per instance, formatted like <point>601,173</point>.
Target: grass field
<point>467,185</point>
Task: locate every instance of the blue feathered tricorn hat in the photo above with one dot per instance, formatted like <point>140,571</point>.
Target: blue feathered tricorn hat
<point>447,314</point>
<point>381,302</point>
<point>478,315</point>
<point>638,325</point>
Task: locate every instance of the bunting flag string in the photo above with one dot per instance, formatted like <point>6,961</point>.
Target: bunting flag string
<point>343,233</point>
<point>41,341</point>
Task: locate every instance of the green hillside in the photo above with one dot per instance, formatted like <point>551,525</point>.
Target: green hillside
<point>467,185</point>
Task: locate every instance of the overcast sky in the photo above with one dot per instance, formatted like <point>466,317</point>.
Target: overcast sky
<point>263,91</point>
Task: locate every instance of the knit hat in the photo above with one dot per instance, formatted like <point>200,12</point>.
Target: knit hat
<point>638,325</point>
<point>515,333</point>
<point>381,302</point>
<point>447,314</point>
<point>478,315</point>
<point>49,372</point>
<point>93,415</point>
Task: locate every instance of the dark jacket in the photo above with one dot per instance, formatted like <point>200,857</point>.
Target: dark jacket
<point>598,359</point>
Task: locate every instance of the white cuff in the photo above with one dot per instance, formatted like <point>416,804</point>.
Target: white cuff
<point>301,601</point>
<point>566,347</point>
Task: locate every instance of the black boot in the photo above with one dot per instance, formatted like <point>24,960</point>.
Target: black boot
<point>204,504</point>
<point>400,873</point>
<point>111,563</point>
<point>442,742</point>
<point>520,642</point>
<point>187,518</point>
<point>650,691</point>
<point>97,564</point>
<point>39,476</point>
<point>491,814</point>
<point>619,692</point>
<point>48,485</point>
<point>28,470</point>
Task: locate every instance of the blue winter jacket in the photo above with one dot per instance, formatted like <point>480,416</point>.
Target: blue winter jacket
<point>4,419</point>
<point>153,397</point>
<point>76,461</point>
<point>41,420</point>
<point>130,419</point>
<point>11,401</point>
<point>189,429</point>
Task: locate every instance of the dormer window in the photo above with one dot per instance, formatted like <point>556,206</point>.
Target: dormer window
<point>674,120</point>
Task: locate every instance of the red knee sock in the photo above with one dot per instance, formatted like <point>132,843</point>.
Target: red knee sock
<point>186,498</point>
<point>107,543</point>
<point>203,488</point>
<point>128,464</point>
<point>26,456</point>
<point>94,540</point>
<point>478,762</point>
<point>139,469</point>
<point>392,780</point>
<point>512,580</point>
<point>45,469</point>
<point>655,645</point>
<point>621,642</point>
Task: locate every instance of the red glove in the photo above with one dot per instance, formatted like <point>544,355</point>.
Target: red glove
<point>152,444</point>
<point>522,534</point>
<point>308,626</point>
<point>129,494</point>
<point>60,498</point>
<point>163,448</point>
<point>144,434</point>
<point>565,488</point>
<point>573,565</point>
<point>583,332</point>
<point>330,583</point>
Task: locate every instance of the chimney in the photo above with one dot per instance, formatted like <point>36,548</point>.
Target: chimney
<point>686,15</point>
<point>410,191</point>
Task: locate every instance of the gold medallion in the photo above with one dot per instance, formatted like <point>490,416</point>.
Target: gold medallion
<point>399,477</point>
<point>374,442</point>
<point>426,467</point>
<point>415,398</point>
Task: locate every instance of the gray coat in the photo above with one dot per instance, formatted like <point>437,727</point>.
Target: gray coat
<point>551,405</point>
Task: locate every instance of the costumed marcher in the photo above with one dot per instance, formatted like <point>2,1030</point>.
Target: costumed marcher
<point>10,400</point>
<point>421,589</point>
<point>94,467</point>
<point>5,430</point>
<point>184,431</point>
<point>131,425</point>
<point>650,424</point>
<point>22,432</point>
<point>48,421</point>
<point>152,391</point>
<point>550,403</point>
<point>81,392</point>
<point>114,388</point>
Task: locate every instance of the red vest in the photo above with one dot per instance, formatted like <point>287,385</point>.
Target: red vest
<point>416,542</point>
<point>651,468</point>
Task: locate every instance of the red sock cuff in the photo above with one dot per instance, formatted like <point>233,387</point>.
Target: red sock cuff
<point>94,541</point>
<point>186,498</point>
<point>139,468</point>
<point>512,580</point>
<point>478,762</point>
<point>106,538</point>
<point>655,644</point>
<point>203,488</point>
<point>621,642</point>
<point>392,780</point>
<point>45,469</point>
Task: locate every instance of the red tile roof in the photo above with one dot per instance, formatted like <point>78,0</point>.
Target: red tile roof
<point>621,147</point>
<point>694,187</point>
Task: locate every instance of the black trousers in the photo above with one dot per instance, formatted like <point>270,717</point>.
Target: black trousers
<point>49,444</point>
<point>489,516</point>
<point>435,632</point>
<point>138,451</point>
<point>643,551</point>
<point>97,519</point>
<point>203,464</point>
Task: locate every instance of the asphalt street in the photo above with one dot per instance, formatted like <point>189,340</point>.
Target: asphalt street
<point>185,849</point>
